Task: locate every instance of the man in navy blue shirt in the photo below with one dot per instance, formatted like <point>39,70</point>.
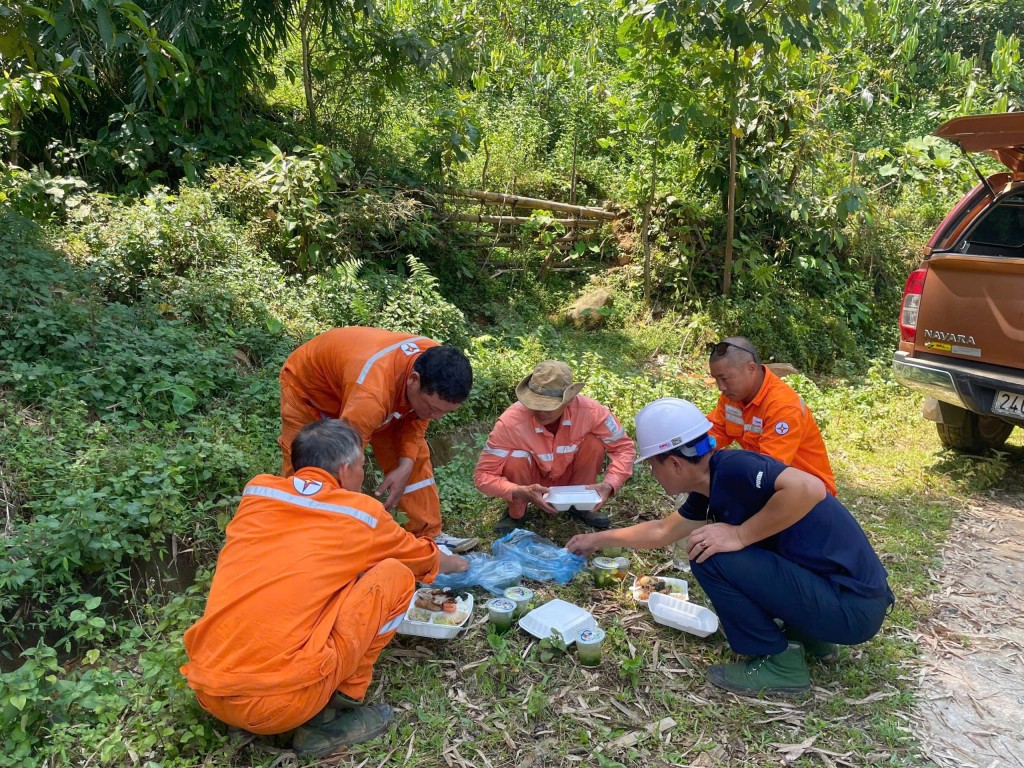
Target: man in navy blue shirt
<point>767,543</point>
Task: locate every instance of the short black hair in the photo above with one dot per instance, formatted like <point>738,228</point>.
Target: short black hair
<point>736,350</point>
<point>446,372</point>
<point>326,444</point>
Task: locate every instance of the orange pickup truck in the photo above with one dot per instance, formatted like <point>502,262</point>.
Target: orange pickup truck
<point>962,319</point>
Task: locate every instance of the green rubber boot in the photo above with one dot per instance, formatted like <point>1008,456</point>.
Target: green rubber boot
<point>818,650</point>
<point>781,674</point>
<point>334,728</point>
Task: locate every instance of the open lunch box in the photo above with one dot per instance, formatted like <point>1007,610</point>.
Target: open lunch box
<point>440,624</point>
<point>564,497</point>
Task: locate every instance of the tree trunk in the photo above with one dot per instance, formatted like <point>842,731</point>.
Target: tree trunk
<point>730,214</point>
<point>307,70</point>
<point>644,233</point>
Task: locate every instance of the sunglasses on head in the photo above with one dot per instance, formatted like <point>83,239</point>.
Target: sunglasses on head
<point>721,348</point>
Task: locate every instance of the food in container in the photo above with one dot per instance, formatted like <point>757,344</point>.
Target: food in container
<point>588,646</point>
<point>500,613</point>
<point>608,571</point>
<point>645,586</point>
<point>435,600</point>
<point>522,597</point>
<point>449,617</point>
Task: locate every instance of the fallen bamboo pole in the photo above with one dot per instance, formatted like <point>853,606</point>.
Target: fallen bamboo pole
<point>517,220</point>
<point>534,203</point>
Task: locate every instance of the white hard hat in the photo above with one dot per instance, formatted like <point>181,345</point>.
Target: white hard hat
<point>669,423</point>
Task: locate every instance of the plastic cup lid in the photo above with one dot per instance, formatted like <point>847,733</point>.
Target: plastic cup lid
<point>593,635</point>
<point>518,593</point>
<point>501,605</point>
<point>610,563</point>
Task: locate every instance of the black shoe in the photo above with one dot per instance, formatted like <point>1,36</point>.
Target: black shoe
<point>507,524</point>
<point>588,517</point>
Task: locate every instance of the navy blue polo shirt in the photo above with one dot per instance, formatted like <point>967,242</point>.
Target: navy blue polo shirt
<point>827,540</point>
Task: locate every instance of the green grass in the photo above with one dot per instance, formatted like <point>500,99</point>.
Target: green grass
<point>491,700</point>
<point>109,692</point>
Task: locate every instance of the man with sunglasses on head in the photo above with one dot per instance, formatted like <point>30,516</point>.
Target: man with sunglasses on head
<point>762,413</point>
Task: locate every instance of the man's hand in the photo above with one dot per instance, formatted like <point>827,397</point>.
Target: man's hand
<point>534,494</point>
<point>711,539</point>
<point>452,564</point>
<point>604,490</point>
<point>394,483</point>
<point>584,544</point>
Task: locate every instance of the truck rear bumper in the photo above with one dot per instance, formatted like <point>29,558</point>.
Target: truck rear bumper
<point>956,384</point>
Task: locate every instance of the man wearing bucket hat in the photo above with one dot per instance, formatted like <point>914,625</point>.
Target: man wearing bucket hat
<point>767,543</point>
<point>762,413</point>
<point>553,436</point>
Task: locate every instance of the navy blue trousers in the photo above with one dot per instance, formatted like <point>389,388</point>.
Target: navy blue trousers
<point>752,587</point>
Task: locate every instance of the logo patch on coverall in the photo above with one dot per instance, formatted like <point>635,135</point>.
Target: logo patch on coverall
<point>781,428</point>
<point>306,487</point>
<point>409,348</point>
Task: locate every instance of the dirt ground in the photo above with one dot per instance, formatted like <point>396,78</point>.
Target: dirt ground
<point>971,711</point>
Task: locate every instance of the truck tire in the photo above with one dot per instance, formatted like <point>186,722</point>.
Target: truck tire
<point>975,435</point>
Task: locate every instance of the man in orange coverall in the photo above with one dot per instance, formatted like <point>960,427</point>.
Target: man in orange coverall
<point>387,386</point>
<point>313,580</point>
<point>762,413</point>
<point>552,436</point>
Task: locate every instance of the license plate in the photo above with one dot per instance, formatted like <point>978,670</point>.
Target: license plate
<point>1008,404</point>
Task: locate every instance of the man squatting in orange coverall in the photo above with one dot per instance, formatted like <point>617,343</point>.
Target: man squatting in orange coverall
<point>387,386</point>
<point>313,580</point>
<point>552,436</point>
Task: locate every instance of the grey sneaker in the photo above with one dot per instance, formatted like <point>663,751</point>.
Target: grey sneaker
<point>456,545</point>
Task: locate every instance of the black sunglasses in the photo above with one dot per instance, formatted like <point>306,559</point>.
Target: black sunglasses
<point>721,348</point>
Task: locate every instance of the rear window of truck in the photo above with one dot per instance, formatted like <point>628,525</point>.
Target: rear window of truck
<point>1001,232</point>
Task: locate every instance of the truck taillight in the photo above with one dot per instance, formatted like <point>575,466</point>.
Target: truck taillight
<point>911,304</point>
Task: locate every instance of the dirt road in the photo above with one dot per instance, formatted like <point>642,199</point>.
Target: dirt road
<point>971,710</point>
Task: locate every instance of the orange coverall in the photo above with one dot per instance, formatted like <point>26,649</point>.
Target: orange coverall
<point>776,423</point>
<point>311,584</point>
<point>359,375</point>
<point>520,451</point>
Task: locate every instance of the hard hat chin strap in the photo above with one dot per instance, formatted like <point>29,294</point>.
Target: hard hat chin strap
<point>705,445</point>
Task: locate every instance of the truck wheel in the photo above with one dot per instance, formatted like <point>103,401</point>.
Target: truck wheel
<point>976,434</point>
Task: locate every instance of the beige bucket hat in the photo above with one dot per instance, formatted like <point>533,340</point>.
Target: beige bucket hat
<point>549,387</point>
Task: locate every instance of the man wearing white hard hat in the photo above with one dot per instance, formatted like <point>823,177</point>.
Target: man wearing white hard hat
<point>553,436</point>
<point>768,544</point>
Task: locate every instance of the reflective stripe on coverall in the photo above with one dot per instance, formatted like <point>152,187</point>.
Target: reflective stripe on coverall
<point>520,451</point>
<point>311,584</point>
<point>359,374</point>
<point>776,423</point>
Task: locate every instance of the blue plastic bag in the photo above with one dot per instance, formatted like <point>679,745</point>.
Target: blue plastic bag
<point>491,573</point>
<point>541,559</point>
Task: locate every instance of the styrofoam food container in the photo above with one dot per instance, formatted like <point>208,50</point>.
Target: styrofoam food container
<point>680,589</point>
<point>436,631</point>
<point>561,497</point>
<point>680,614</point>
<point>559,616</point>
